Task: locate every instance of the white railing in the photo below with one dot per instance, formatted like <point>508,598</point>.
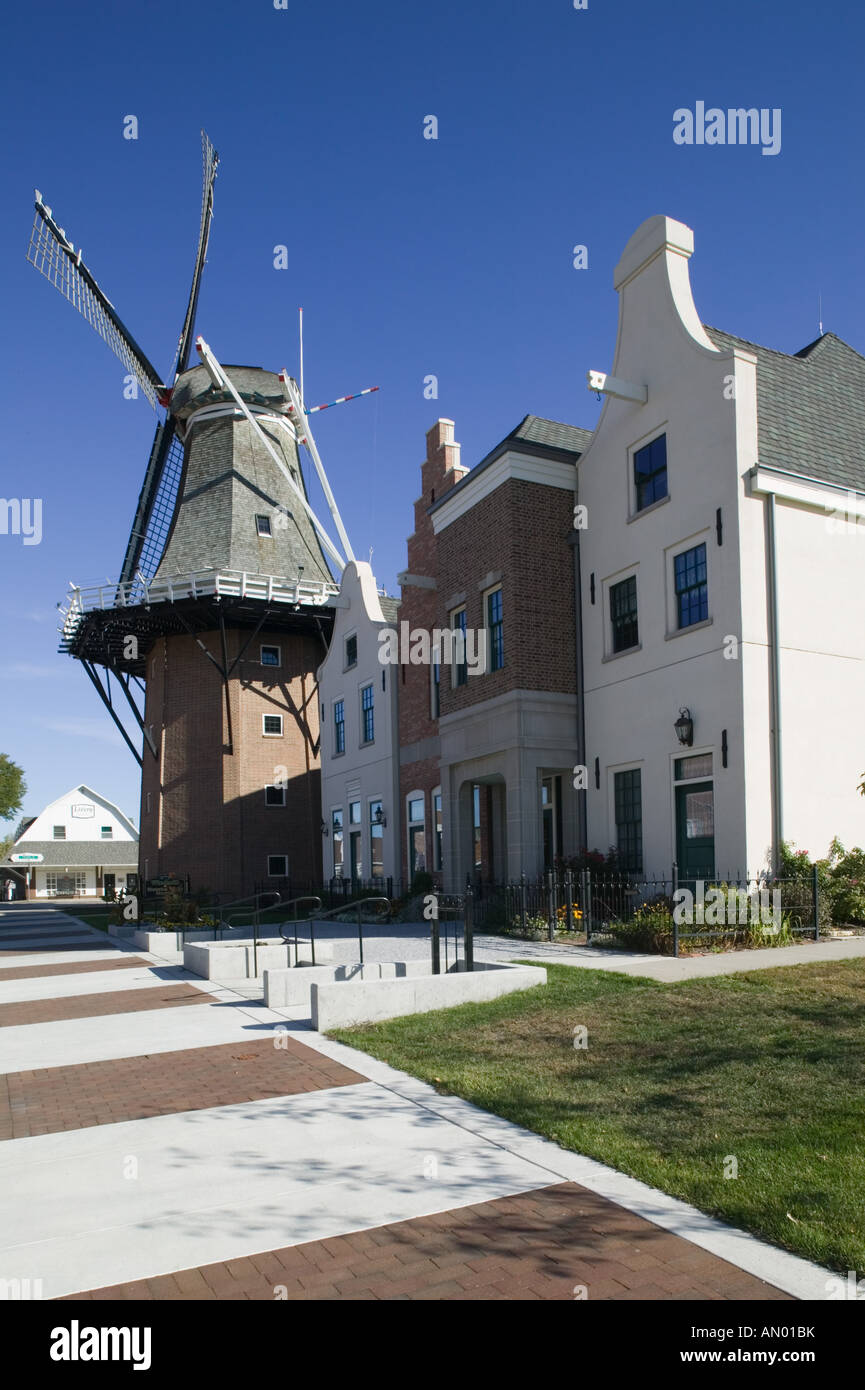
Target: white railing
<point>137,593</point>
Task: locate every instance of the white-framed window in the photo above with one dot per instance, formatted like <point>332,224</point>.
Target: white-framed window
<point>338,833</point>
<point>367,714</point>
<point>437,828</point>
<point>271,725</point>
<point>274,795</point>
<point>376,838</point>
<point>416,831</point>
<point>60,832</point>
<point>621,617</point>
<point>277,866</point>
<point>338,727</point>
<point>350,651</point>
<point>262,525</point>
<point>271,656</point>
<point>688,566</point>
<point>106,832</point>
<point>647,466</point>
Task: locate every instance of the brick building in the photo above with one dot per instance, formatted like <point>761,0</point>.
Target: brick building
<point>420,790</point>
<point>487,785</point>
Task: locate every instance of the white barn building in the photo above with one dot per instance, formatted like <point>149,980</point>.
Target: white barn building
<point>722,573</point>
<point>80,846</point>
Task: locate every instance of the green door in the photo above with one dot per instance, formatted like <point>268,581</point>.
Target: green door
<point>695,831</point>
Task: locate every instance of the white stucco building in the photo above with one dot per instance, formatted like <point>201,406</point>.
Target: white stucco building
<point>81,846</point>
<point>722,572</point>
<point>359,769</point>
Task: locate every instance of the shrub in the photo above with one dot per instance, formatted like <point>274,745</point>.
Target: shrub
<point>536,928</point>
<point>649,929</point>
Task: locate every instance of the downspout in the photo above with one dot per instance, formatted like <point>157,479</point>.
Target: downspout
<point>775,645</point>
<point>582,827</point>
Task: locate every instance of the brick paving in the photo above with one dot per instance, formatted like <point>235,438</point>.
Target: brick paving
<point>134,1088</point>
<point>34,972</point>
<point>45,947</point>
<point>541,1245</point>
<point>126,1001</point>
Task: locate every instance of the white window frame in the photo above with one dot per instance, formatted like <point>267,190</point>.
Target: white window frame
<point>672,613</point>
<point>270,647</point>
<point>436,854</point>
<point>631,572</point>
<point>274,787</point>
<point>268,534</point>
<point>417,795</point>
<point>345,662</point>
<point>633,450</point>
<point>365,742</point>
<point>267,733</point>
<point>485,598</point>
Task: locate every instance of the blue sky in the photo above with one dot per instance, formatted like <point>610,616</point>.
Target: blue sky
<point>411,257</point>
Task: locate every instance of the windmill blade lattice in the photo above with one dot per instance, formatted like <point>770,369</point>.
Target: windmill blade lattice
<point>54,256</point>
<point>155,505</point>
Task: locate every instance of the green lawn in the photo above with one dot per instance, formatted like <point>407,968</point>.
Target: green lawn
<point>95,915</point>
<point>767,1067</point>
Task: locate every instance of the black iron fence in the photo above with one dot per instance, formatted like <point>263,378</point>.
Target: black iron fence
<point>653,912</point>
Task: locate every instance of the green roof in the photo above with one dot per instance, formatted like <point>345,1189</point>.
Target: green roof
<point>810,408</point>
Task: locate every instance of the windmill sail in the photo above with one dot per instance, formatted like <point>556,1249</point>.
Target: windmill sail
<point>210,161</point>
<point>159,490</point>
<point>55,257</point>
<point>155,505</point>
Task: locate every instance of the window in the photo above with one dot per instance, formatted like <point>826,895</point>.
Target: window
<point>271,656</point>
<point>338,843</point>
<point>277,866</point>
<point>629,819</point>
<point>350,651</point>
<point>416,836</point>
<point>692,593</point>
<point>650,473</point>
<point>148,801</point>
<point>354,837</point>
<point>367,711</point>
<point>698,765</point>
<point>435,684</point>
<point>262,526</point>
<point>437,830</point>
<point>271,725</point>
<point>477,849</point>
<point>623,614</point>
<point>376,840</point>
<point>107,832</point>
<point>339,726</point>
<point>274,796</point>
<point>496,630</point>
<point>459,670</point>
<point>60,832</point>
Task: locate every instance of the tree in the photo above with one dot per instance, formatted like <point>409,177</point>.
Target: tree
<point>12,787</point>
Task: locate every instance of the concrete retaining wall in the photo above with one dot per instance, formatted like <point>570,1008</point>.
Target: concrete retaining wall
<point>340,1005</point>
<point>219,960</point>
<point>287,988</point>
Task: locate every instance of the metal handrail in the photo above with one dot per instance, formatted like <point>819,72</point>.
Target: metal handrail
<point>334,911</point>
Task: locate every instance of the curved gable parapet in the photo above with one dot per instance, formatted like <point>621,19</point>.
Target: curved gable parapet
<point>657,257</point>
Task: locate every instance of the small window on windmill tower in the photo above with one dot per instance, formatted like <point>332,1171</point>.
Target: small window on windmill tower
<point>262,525</point>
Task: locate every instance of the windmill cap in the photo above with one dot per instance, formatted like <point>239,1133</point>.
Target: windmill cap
<point>194,390</point>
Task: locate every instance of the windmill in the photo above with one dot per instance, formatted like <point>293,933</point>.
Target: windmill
<point>221,614</point>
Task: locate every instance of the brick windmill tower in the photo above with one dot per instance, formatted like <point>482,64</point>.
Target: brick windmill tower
<point>223,608</point>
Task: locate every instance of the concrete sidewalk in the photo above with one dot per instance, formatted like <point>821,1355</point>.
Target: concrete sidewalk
<point>227,1151</point>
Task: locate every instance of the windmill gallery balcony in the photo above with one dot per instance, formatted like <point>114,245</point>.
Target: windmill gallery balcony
<point>142,596</point>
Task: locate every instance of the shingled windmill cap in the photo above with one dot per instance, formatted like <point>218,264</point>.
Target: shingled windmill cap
<point>653,237</point>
